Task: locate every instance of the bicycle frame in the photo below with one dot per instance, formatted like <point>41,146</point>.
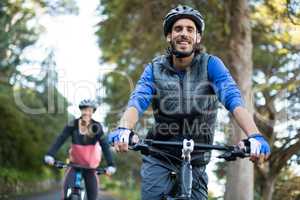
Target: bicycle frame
<point>188,146</point>
<point>77,189</point>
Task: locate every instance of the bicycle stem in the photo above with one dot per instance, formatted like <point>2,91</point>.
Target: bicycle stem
<point>186,169</point>
<point>187,149</point>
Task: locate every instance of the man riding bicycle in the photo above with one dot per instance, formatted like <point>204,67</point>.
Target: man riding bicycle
<point>87,141</point>
<point>184,86</point>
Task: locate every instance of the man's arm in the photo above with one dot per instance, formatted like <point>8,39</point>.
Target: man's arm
<point>245,120</point>
<point>230,96</point>
<point>140,99</point>
<point>223,84</point>
<point>129,118</point>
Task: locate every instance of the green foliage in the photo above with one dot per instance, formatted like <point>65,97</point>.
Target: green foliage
<point>24,138</point>
<point>15,36</point>
<point>120,189</point>
<point>125,184</point>
<point>128,172</point>
<point>19,29</point>
<point>13,176</point>
<point>288,186</point>
<point>59,7</point>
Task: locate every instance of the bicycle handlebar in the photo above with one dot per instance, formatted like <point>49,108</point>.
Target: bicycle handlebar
<point>197,146</point>
<point>231,152</point>
<point>62,165</point>
<point>188,146</point>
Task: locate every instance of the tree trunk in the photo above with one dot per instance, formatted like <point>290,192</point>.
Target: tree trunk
<point>268,189</point>
<point>240,177</point>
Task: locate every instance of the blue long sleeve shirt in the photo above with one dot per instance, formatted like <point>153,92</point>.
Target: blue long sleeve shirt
<point>223,84</point>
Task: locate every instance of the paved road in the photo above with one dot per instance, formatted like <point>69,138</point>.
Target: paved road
<point>55,195</point>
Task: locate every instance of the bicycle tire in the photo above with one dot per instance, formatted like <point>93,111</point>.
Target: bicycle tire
<point>174,198</point>
<point>75,197</point>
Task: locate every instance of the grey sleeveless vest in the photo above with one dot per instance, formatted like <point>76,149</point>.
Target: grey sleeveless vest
<point>184,107</point>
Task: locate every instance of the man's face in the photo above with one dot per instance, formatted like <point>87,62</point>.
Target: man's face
<point>184,35</point>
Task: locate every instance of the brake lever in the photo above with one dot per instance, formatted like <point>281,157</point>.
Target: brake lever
<point>141,146</point>
<point>234,153</point>
<point>101,171</point>
<point>59,164</point>
<point>228,154</point>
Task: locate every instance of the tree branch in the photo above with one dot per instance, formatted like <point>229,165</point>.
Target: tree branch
<point>289,13</point>
<point>293,80</point>
<point>285,85</point>
<point>266,126</point>
<point>283,156</point>
<point>287,141</point>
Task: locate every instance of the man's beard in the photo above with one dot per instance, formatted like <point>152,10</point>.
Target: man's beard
<point>181,54</point>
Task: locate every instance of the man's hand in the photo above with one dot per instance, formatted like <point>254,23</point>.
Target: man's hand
<point>259,147</point>
<point>121,138</point>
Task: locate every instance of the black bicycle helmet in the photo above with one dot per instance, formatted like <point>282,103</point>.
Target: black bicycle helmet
<point>88,103</point>
<point>183,12</point>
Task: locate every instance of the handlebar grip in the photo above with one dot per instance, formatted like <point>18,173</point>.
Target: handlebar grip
<point>247,146</point>
<point>142,147</point>
<point>101,171</point>
<point>60,164</point>
<point>236,152</point>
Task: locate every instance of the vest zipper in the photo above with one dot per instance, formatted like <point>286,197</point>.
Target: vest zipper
<point>181,93</point>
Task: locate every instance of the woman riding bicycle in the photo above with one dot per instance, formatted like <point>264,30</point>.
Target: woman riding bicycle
<point>88,143</point>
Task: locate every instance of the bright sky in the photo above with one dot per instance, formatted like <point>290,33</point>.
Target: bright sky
<point>76,54</point>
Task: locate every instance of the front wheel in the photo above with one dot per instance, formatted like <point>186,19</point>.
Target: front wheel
<point>175,198</point>
<point>75,197</point>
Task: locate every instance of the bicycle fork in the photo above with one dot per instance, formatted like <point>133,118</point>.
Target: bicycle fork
<point>77,189</point>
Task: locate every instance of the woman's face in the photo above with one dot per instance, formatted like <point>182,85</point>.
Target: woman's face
<point>86,113</point>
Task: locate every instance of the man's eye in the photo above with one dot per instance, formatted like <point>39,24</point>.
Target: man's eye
<point>190,30</point>
<point>177,29</point>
